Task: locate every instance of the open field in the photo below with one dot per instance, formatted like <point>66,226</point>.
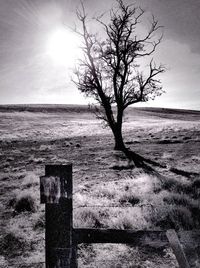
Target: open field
<point>108,191</point>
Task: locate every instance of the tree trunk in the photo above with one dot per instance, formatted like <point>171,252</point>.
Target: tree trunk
<point>119,142</point>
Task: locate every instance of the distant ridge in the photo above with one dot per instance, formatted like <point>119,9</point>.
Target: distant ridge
<point>168,110</point>
<point>84,108</point>
<point>44,108</point>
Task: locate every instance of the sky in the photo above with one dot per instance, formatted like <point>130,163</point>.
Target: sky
<point>38,50</point>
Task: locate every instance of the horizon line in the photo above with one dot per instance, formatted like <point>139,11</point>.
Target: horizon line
<point>74,104</point>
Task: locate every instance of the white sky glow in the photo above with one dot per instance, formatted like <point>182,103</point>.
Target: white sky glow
<point>63,47</point>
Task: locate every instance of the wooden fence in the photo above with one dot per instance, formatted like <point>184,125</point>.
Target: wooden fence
<point>61,239</point>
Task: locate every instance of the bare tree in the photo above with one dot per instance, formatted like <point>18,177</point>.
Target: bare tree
<point>110,72</point>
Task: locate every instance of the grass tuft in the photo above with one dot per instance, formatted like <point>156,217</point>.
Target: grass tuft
<point>196,188</point>
<point>123,222</point>
<point>177,186</point>
<point>175,218</point>
<point>40,223</point>
<point>25,203</point>
<point>177,199</point>
<point>128,197</point>
<point>12,245</point>
<point>88,218</point>
<point>196,183</point>
<point>30,180</point>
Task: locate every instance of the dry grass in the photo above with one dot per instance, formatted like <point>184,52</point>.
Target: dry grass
<point>108,191</point>
<point>123,256</point>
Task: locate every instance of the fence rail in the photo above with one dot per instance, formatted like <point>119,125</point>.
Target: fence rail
<point>133,237</point>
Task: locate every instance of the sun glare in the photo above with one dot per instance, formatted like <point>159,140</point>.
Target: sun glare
<point>63,47</point>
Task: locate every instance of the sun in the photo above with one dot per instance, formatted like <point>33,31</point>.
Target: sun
<point>63,47</point>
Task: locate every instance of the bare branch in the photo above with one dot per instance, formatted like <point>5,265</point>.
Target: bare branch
<point>110,70</point>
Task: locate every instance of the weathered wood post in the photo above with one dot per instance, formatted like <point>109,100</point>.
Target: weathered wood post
<point>56,194</point>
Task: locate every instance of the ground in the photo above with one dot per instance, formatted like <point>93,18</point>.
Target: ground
<point>109,192</point>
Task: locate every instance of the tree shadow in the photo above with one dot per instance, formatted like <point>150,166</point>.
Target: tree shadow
<point>138,161</point>
<point>148,166</point>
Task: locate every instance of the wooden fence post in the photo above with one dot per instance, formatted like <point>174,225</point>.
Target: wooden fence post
<point>56,193</point>
<point>177,248</point>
